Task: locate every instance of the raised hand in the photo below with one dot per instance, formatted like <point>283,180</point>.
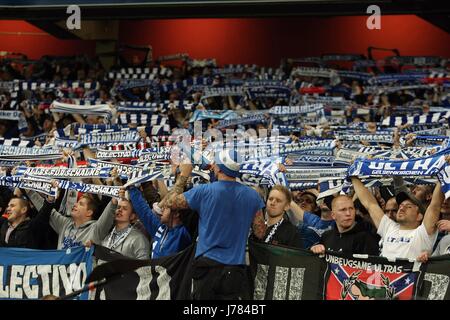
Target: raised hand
<point>318,249</point>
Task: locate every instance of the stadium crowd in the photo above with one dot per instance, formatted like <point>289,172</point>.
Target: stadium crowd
<point>332,153</point>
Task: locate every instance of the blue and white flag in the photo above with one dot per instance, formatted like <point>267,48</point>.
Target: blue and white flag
<point>33,274</point>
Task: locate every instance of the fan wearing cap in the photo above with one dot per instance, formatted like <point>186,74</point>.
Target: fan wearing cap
<point>415,230</point>
<point>226,210</point>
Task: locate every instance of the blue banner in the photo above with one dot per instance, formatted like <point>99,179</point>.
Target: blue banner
<point>33,274</point>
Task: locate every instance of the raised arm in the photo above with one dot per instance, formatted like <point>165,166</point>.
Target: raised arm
<point>297,211</point>
<point>433,211</point>
<point>175,198</point>
<point>106,220</point>
<point>143,210</point>
<point>368,201</point>
<point>175,201</point>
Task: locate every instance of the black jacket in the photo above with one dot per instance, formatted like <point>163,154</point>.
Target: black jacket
<point>357,240</point>
<point>20,237</point>
<point>34,233</point>
<point>285,235</point>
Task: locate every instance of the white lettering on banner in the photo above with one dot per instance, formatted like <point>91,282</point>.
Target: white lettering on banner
<point>122,169</point>
<point>13,150</point>
<point>423,165</point>
<point>103,190</point>
<point>64,172</point>
<point>374,21</point>
<point>101,138</point>
<point>359,264</point>
<point>36,281</point>
<point>116,154</point>
<point>37,185</point>
<point>398,173</point>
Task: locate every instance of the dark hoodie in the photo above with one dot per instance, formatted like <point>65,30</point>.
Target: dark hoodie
<point>357,240</point>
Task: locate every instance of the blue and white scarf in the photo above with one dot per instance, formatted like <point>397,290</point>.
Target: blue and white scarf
<point>304,109</point>
<point>11,115</point>
<point>12,153</point>
<point>379,138</point>
<point>213,114</point>
<point>419,119</point>
<point>62,172</point>
<point>389,78</point>
<point>96,139</point>
<point>103,190</point>
<point>426,166</point>
<point>103,110</point>
<point>314,173</point>
<point>155,154</point>
<point>35,184</point>
<point>223,92</point>
<point>16,142</point>
<point>276,92</point>
<point>125,171</point>
<point>149,174</point>
<point>246,120</point>
<point>117,154</point>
